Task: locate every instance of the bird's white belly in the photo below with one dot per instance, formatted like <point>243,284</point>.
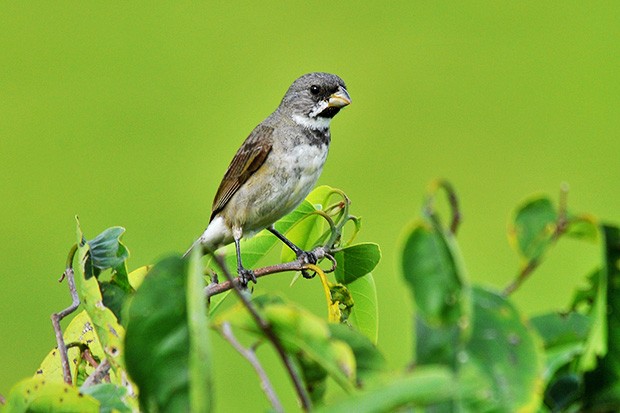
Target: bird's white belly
<point>293,175</point>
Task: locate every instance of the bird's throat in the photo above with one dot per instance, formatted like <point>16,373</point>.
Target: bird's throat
<point>315,123</point>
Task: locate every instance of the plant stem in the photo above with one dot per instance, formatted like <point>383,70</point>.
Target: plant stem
<point>561,226</point>
<point>56,317</point>
<point>99,374</point>
<point>250,356</point>
<point>265,326</point>
<point>453,201</point>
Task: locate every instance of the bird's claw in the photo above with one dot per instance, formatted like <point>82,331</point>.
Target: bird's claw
<point>245,276</point>
<point>307,257</point>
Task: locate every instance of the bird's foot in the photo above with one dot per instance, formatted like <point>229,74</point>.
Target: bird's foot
<point>307,257</point>
<point>245,276</point>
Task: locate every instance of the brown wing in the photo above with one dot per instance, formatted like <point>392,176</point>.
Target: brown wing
<point>247,160</point>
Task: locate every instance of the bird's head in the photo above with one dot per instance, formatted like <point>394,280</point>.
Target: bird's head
<point>314,99</point>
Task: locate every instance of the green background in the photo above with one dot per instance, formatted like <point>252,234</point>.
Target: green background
<point>128,114</point>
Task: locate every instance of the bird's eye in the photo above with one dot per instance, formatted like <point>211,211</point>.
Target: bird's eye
<point>314,89</point>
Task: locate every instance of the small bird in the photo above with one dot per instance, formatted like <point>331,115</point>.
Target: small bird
<point>276,167</point>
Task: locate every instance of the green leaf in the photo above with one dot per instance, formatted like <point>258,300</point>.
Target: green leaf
<point>37,394</point>
<point>436,278</point>
<point>303,334</point>
<point>563,392</point>
<point>533,226</point>
<point>355,261</point>
<point>308,232</point>
<point>106,252</point>
<point>368,360</point>
<point>437,344</point>
<point>111,397</point>
<point>103,252</point>
<point>558,329</point>
<point>595,300</point>
<point>424,387</point>
<point>365,313</point>
<point>506,351</point>
<point>165,341</point>
<point>201,389</point>
<point>255,248</point>
<point>583,227</point>
<point>564,337</point>
<point>602,385</point>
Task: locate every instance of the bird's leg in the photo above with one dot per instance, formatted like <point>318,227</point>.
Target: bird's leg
<point>245,275</point>
<point>307,257</point>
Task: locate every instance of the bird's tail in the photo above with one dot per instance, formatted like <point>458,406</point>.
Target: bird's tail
<point>196,243</point>
<point>217,234</point>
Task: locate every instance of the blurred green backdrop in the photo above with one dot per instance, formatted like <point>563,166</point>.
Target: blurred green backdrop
<point>128,114</point>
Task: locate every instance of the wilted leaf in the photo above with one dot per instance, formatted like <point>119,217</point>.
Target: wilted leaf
<point>80,332</point>
<point>137,276</point>
<point>37,394</point>
<point>342,302</point>
<point>107,327</point>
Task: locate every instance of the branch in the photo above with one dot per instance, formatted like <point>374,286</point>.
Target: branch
<point>297,265</point>
<point>99,374</point>
<point>56,317</point>
<point>265,326</point>
<point>250,356</point>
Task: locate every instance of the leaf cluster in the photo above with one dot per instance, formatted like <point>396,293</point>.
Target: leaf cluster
<point>142,340</point>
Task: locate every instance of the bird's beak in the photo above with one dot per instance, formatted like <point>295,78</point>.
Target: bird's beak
<point>339,99</point>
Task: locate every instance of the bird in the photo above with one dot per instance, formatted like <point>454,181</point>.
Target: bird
<point>275,168</point>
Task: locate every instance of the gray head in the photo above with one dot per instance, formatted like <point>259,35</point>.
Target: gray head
<point>314,99</point>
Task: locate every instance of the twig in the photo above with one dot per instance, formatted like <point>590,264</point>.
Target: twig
<point>98,375</point>
<point>297,265</point>
<point>267,329</point>
<point>561,226</point>
<point>250,356</point>
<point>56,317</point>
<point>453,201</point>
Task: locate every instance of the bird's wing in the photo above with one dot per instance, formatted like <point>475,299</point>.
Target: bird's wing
<point>247,160</point>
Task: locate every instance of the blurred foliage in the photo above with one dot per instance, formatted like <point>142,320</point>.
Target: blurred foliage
<point>475,351</point>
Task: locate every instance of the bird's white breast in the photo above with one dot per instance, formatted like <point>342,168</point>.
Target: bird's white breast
<point>293,174</point>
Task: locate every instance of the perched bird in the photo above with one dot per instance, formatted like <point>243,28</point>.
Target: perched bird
<point>276,167</point>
